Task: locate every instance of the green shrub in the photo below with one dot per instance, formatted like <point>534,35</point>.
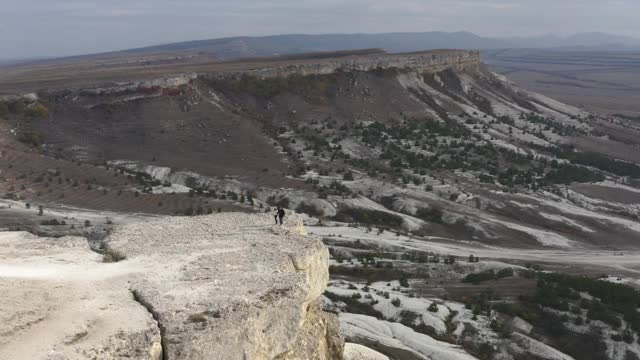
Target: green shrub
<point>354,306</point>
<point>368,216</point>
<point>566,174</point>
<point>30,137</point>
<point>37,110</point>
<point>430,214</point>
<point>4,108</point>
<point>110,255</point>
<point>309,209</point>
<point>477,278</point>
<point>197,318</point>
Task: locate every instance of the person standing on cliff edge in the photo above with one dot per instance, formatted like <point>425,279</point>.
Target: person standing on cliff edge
<point>279,214</point>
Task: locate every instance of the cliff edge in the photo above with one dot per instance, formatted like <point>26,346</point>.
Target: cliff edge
<point>226,286</point>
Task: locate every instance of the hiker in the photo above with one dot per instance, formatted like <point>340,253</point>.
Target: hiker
<point>275,216</point>
<point>279,214</point>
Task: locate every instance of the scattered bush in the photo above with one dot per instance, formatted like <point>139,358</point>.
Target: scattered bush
<point>309,209</point>
<point>111,256</point>
<point>355,306</point>
<point>197,318</point>
<point>368,216</point>
<point>30,137</point>
<point>433,307</point>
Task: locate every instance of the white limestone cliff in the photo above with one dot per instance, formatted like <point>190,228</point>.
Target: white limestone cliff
<point>225,286</point>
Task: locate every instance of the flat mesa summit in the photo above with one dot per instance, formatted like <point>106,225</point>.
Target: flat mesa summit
<point>225,286</point>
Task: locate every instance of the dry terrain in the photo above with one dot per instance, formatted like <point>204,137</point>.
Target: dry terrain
<point>466,217</point>
<point>601,81</point>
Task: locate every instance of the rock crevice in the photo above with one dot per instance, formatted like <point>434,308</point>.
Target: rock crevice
<point>225,286</point>
<point>154,314</point>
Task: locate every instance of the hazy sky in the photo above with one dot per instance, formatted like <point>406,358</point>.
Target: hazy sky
<point>61,27</point>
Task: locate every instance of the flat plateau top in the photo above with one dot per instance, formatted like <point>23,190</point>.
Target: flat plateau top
<point>88,71</point>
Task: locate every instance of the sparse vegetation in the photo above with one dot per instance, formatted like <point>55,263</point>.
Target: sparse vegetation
<point>197,318</point>
<point>355,306</point>
<point>477,278</point>
<point>368,216</point>
<point>110,255</point>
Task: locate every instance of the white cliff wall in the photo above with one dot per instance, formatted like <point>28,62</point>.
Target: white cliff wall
<point>226,286</point>
<point>420,61</point>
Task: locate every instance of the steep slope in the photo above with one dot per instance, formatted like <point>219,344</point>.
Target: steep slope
<point>446,194</point>
<point>429,143</point>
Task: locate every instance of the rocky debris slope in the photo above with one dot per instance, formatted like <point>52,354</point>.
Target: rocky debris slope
<point>226,286</point>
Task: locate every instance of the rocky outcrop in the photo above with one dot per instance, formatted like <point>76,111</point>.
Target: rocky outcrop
<point>425,61</point>
<point>59,301</point>
<point>421,61</point>
<point>226,286</point>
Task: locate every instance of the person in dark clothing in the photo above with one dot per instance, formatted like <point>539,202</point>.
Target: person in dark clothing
<point>279,215</point>
<point>275,216</point>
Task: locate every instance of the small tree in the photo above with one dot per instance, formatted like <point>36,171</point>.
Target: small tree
<point>40,210</point>
<point>4,108</point>
<point>27,205</point>
<point>396,302</point>
<point>433,307</point>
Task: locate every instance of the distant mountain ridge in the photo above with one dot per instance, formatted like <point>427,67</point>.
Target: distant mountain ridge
<point>231,48</point>
<point>238,47</point>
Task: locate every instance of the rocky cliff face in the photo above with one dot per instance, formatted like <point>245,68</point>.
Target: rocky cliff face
<point>419,61</point>
<point>427,61</point>
<point>227,286</point>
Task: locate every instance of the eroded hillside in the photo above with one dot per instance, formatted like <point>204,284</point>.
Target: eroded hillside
<point>446,194</point>
<point>429,143</point>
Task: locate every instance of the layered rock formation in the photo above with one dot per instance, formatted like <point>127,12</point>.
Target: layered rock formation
<point>226,286</point>
<point>420,61</point>
<point>426,61</point>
